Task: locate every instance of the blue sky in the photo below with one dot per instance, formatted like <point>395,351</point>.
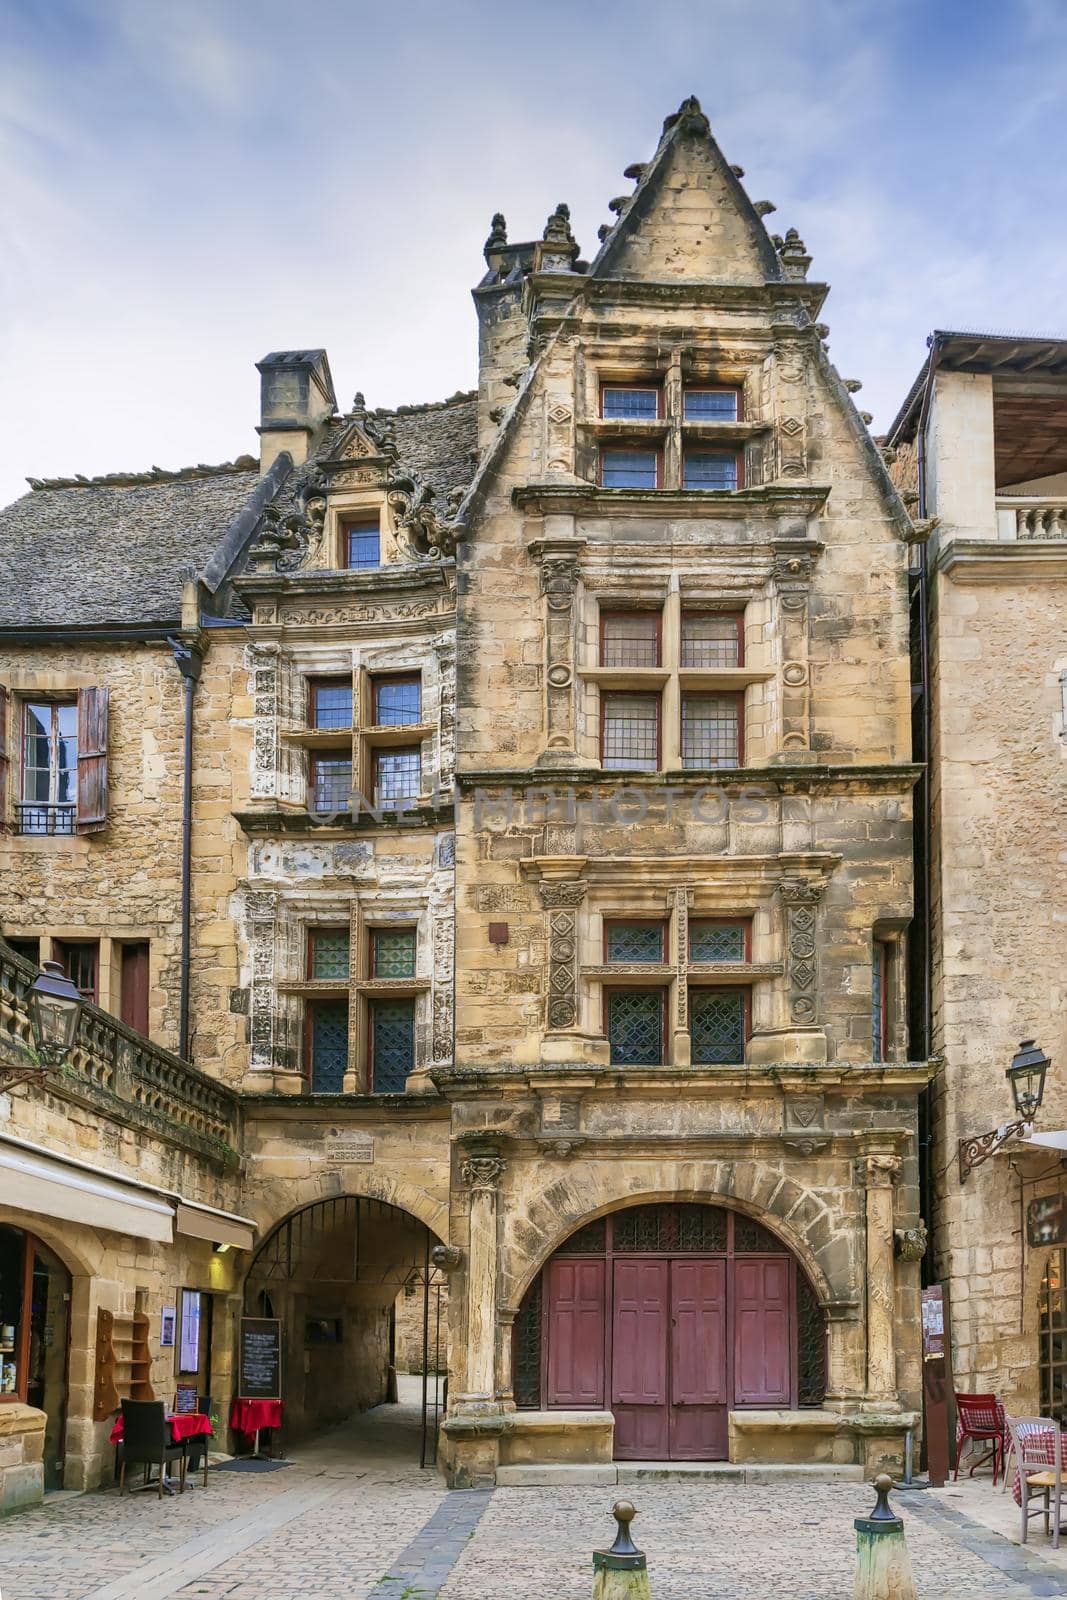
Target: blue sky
<point>191,184</point>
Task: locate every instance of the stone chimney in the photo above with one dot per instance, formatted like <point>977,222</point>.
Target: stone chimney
<point>296,398</point>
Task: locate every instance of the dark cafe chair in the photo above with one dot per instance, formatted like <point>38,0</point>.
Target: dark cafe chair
<point>196,1449</point>
<point>146,1442</point>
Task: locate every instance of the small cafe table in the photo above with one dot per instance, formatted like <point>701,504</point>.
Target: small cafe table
<point>183,1425</point>
<point>250,1416</point>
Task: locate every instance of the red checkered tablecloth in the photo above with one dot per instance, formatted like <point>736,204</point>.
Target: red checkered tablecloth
<point>1040,1443</point>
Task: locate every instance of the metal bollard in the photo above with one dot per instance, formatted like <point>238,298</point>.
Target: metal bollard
<point>883,1570</point>
<point>620,1573</point>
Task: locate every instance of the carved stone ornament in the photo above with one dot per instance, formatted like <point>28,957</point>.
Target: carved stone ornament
<point>424,535</point>
<point>911,1242</point>
<point>559,578</point>
<point>445,1257</point>
<point>483,1172</point>
<point>561,1148</point>
<point>881,1171</point>
<point>286,543</point>
<point>554,895</point>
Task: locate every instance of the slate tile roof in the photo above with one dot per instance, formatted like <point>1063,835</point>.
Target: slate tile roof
<point>116,550</point>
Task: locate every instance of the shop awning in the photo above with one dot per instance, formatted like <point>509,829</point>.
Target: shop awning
<point>39,1183</point>
<point>221,1227</point>
<point>1054,1139</point>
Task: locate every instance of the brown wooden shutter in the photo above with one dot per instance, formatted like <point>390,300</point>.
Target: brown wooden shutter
<point>92,760</point>
<point>5,762</point>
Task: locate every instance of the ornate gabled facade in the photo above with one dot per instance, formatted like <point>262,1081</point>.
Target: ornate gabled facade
<point>523,842</point>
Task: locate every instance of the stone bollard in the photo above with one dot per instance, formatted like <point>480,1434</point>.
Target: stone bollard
<point>883,1571</point>
<point>620,1573</point>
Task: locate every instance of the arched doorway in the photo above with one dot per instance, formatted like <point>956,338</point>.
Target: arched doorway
<point>35,1291</point>
<point>332,1274</point>
<point>670,1316</point>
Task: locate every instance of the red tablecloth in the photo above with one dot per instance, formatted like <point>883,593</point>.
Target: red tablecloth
<point>247,1416</point>
<point>1041,1452</point>
<point>183,1425</point>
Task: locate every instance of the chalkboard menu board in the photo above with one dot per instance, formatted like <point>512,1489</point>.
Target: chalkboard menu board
<point>261,1359</point>
<point>186,1399</point>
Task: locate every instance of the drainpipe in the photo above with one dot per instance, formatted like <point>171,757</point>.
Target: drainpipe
<point>189,662</point>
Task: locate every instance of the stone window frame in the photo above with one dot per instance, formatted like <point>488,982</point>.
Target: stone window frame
<point>109,941</point>
<point>366,911</point>
<point>752,681</point>
<point>889,936</point>
<point>348,505</point>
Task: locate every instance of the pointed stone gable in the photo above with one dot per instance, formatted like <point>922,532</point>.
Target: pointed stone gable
<point>689,217</point>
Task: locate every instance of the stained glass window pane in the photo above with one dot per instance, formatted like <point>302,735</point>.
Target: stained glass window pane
<point>363,544</point>
<point>329,953</point>
<point>329,1046</point>
<point>630,404</point>
<point>392,1044</point>
<point>710,730</point>
<point>709,469</point>
<point>710,405</point>
<point>331,705</point>
<point>397,702</point>
<point>629,639</point>
<point>635,1027</point>
<point>628,469</point>
<point>398,775</point>
<point>631,732</point>
<point>710,640</point>
<point>717,1026</point>
<point>634,941</point>
<point>394,952</point>
<point>331,784</point>
<point>716,941</point>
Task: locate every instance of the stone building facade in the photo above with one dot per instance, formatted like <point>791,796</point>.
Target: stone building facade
<point>981,442</point>
<point>508,804</point>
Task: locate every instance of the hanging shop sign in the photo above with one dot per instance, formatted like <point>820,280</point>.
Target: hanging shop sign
<point>1046,1220</point>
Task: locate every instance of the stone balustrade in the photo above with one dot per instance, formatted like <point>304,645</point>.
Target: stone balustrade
<point>1031,517</point>
<point>109,1062</point>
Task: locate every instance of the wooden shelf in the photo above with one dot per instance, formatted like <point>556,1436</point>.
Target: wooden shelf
<point>119,1375</point>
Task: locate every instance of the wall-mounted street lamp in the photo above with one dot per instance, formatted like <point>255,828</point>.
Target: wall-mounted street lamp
<point>1027,1078</point>
<point>55,1008</point>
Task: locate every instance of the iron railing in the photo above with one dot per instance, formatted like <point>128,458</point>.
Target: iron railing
<point>45,818</point>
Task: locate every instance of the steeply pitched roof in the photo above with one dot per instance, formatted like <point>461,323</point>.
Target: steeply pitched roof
<point>115,550</point>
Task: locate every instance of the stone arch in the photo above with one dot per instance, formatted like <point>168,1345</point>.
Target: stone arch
<point>298,1196</point>
<point>796,1215</point>
<point>79,1262</point>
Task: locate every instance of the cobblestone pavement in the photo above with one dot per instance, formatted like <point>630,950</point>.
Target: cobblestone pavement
<point>354,1519</point>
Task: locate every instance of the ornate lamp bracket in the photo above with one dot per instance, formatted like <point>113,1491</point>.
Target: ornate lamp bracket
<point>972,1152</point>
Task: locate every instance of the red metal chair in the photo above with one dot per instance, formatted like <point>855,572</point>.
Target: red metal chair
<point>980,1417</point>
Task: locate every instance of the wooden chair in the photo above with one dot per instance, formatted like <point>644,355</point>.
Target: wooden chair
<point>980,1418</point>
<point>146,1442</point>
<point>1038,1446</point>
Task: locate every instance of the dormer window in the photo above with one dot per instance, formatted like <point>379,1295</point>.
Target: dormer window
<point>711,469</point>
<point>712,405</point>
<point>631,402</point>
<point>624,468</point>
<point>361,543</point>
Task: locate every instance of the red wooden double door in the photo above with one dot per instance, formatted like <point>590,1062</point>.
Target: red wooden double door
<point>670,1343</point>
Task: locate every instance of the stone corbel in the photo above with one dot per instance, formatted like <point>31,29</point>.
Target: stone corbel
<point>445,1257</point>
<point>803,1124</point>
<point>911,1243</point>
<point>558,559</point>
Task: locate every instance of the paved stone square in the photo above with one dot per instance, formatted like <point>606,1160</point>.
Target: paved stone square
<point>355,1519</point>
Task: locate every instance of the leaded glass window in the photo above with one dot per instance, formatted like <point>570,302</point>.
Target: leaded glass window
<point>629,404</point>
<point>393,952</point>
<point>635,1026</point>
<point>709,469</point>
<point>711,405</point>
<point>331,784</point>
<point>633,941</point>
<point>398,775</point>
<point>630,732</point>
<point>717,941</point>
<point>629,639</point>
<point>629,469</point>
<point>329,954</point>
<point>397,702</point>
<point>811,1346</point>
<point>331,703</point>
<point>392,1025</point>
<point>711,639</point>
<point>717,1026</point>
<point>328,1042</point>
<point>711,735</point>
<point>362,544</point>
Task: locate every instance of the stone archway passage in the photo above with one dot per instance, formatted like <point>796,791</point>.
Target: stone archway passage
<point>332,1273</point>
<point>670,1316</point>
